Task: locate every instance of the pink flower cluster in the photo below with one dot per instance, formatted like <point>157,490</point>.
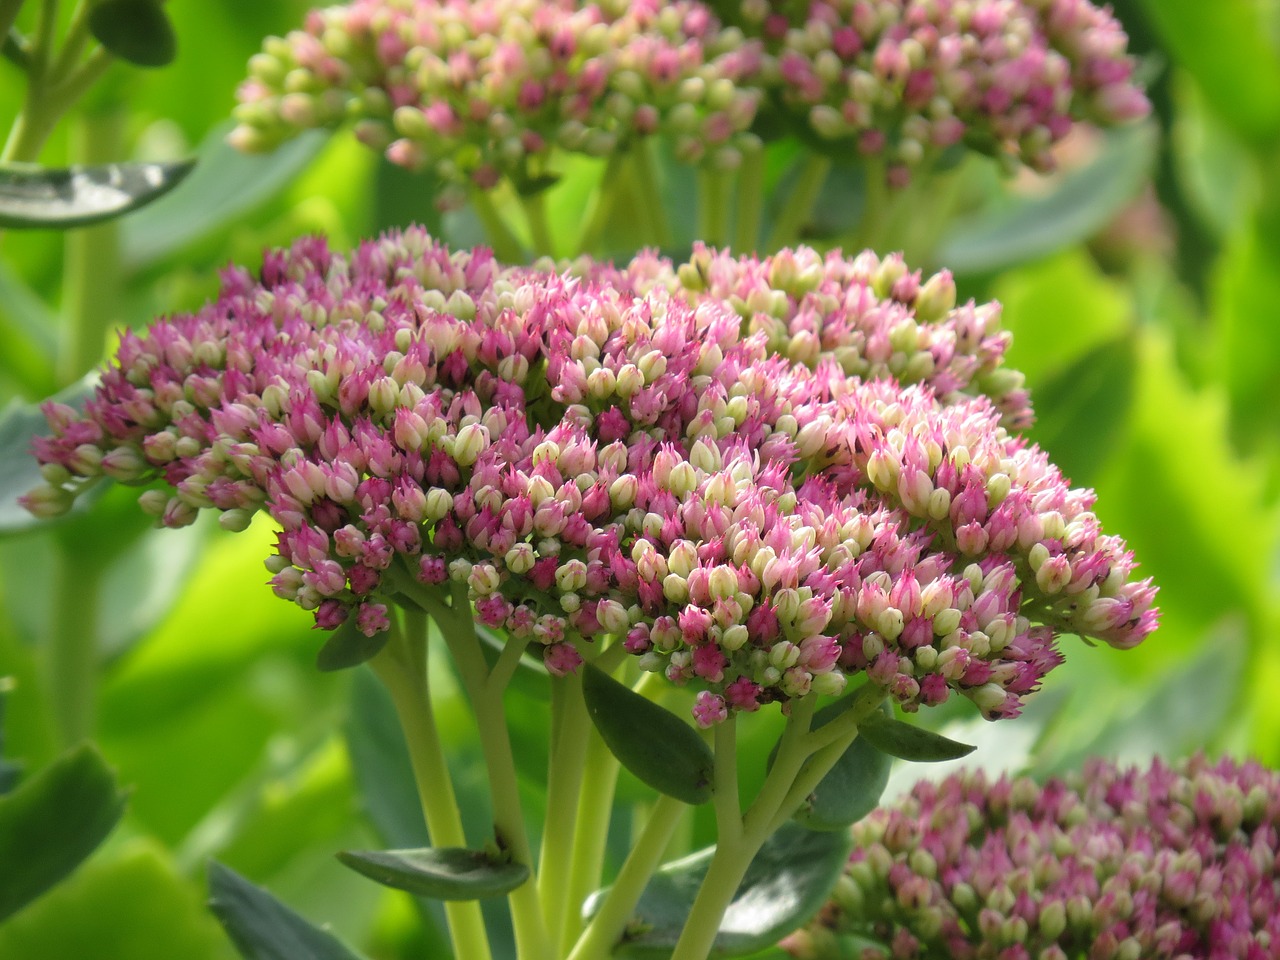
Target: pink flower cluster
<point>762,476</point>
<point>906,79</point>
<point>481,90</point>
<point>1117,864</point>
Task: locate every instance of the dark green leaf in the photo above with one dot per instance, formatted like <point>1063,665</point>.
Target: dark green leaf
<point>19,473</point>
<point>654,744</point>
<point>853,787</point>
<point>1081,413</point>
<point>788,880</point>
<point>909,742</point>
<point>58,198</point>
<point>443,873</point>
<point>224,188</point>
<point>50,823</point>
<point>347,646</point>
<point>1031,227</point>
<point>263,928</point>
<point>135,30</point>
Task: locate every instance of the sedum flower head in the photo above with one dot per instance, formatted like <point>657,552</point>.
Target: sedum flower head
<point>903,80</point>
<point>764,476</point>
<point>1168,862</point>
<point>476,91</point>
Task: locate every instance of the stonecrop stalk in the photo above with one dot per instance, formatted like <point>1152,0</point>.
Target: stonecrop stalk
<point>757,479</point>
<point>1168,862</point>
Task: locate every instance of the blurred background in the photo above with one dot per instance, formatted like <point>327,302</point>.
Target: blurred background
<point>1141,283</point>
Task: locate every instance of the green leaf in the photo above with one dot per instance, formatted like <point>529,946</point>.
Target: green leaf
<point>1031,227</point>
<point>58,198</point>
<point>909,742</point>
<point>263,928</point>
<point>443,873</point>
<point>855,784</point>
<point>654,744</point>
<point>347,646</point>
<point>9,771</point>
<point>1081,413</point>
<point>50,823</point>
<point>786,883</point>
<point>225,187</point>
<point>135,30</point>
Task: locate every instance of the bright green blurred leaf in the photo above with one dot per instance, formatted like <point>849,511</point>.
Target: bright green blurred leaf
<point>788,880</point>
<point>57,199</point>
<point>134,30</point>
<point>263,928</point>
<point>131,906</point>
<point>53,821</point>
<point>1226,47</point>
<point>1082,203</point>
<point>442,873</point>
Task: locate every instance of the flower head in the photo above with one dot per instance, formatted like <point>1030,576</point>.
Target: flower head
<point>763,477</point>
<point>1159,863</point>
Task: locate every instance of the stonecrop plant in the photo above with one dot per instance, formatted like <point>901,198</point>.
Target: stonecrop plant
<point>658,429</point>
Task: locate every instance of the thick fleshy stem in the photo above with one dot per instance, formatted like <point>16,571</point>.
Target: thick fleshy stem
<point>570,730</point>
<point>604,201</point>
<point>535,211</point>
<point>402,667</point>
<point>504,243</point>
<point>71,655</point>
<point>799,203</point>
<point>495,743</point>
<point>803,759</point>
<point>591,831</point>
<point>649,195</point>
<point>610,921</point>
<point>713,207</point>
<point>750,203</point>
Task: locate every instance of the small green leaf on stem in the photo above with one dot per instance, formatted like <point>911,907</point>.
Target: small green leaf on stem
<point>52,822</point>
<point>263,928</point>
<point>443,873</point>
<point>137,31</point>
<point>909,742</point>
<point>34,197</point>
<point>788,880</point>
<point>347,647</point>
<point>654,744</point>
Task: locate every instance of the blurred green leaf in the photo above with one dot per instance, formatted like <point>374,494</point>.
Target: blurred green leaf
<point>137,31</point>
<point>53,821</point>
<point>263,928</point>
<point>1226,47</point>
<point>48,198</point>
<point>130,906</point>
<point>788,880</point>
<point>909,742</point>
<point>225,187</point>
<point>1082,413</point>
<point>9,771</point>
<point>1082,203</point>
<point>650,741</point>
<point>442,873</point>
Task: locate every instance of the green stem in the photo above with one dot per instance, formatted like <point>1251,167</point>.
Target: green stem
<point>606,199</point>
<point>873,231</point>
<point>727,804</point>
<point>610,921</point>
<point>402,667</point>
<point>713,207</point>
<point>535,211</point>
<point>649,194</point>
<point>73,44</point>
<point>495,743</point>
<point>800,202</point>
<point>564,782</point>
<point>44,106</point>
<point>505,245</point>
<point>591,832</point>
<point>91,288</point>
<point>71,655</point>
<point>746,234</point>
<point>8,16</point>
